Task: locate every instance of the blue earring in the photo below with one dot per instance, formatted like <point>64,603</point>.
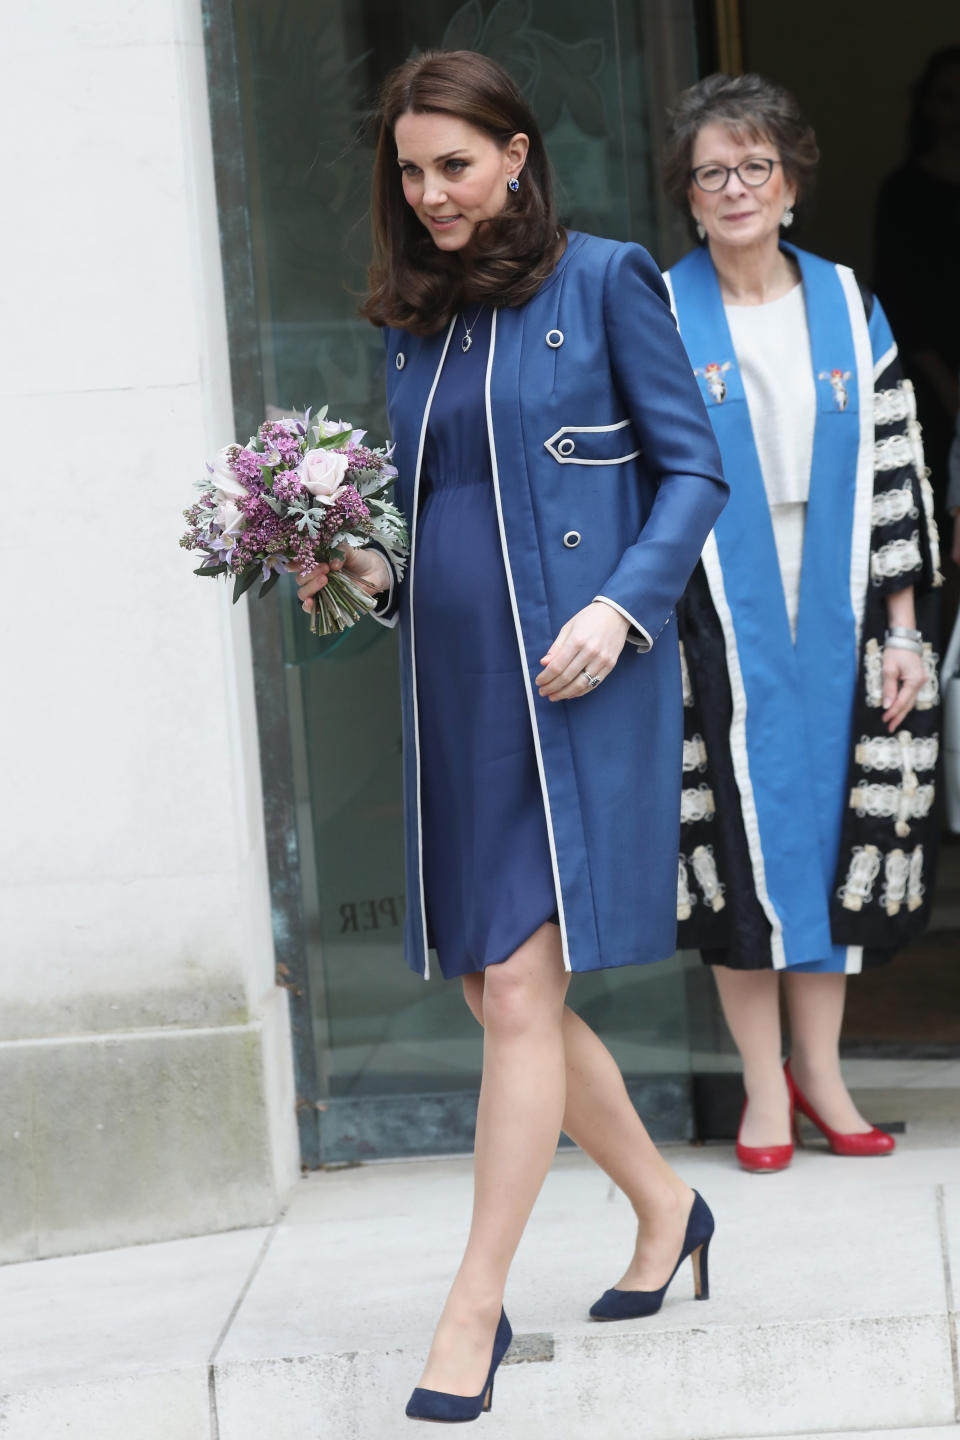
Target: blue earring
<point>513,184</point>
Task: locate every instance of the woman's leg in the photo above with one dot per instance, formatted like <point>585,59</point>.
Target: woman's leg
<point>751,1007</point>
<point>815,1006</point>
<point>518,1126</point>
<point>601,1119</point>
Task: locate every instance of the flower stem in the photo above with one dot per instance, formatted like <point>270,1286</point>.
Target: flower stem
<point>339,605</point>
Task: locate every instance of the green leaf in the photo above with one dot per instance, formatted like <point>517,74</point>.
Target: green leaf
<point>268,584</point>
<point>327,442</point>
<point>244,580</point>
<point>211,570</point>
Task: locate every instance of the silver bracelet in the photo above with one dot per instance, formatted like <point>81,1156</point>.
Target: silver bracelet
<point>904,633</point>
<point>901,642</point>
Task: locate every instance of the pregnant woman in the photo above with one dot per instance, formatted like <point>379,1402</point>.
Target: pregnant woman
<point>559,476</point>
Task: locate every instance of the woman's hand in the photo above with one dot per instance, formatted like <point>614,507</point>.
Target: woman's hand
<point>589,643</point>
<point>904,676</point>
<point>367,567</point>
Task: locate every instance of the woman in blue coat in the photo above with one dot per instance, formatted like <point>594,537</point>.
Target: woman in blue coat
<point>559,477</point>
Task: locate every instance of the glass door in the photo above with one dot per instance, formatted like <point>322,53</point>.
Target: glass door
<point>390,1064</point>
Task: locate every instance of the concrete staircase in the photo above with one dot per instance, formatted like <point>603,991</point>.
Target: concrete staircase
<point>832,1312</point>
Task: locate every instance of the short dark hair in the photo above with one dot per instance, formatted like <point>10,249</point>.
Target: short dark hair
<point>413,285</point>
<point>744,105</point>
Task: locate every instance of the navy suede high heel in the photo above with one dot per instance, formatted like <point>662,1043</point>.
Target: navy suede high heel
<point>457,1409</point>
<point>632,1304</point>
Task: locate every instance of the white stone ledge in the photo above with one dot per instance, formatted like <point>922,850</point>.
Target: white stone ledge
<point>140,1136</point>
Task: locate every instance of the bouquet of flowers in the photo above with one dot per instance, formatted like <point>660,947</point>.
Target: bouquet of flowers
<point>298,493</point>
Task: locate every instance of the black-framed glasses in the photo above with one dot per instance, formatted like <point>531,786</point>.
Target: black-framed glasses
<point>754,173</point>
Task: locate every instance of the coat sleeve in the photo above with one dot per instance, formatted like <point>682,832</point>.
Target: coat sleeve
<point>656,383</point>
<point>387,612</point>
<point>904,544</point>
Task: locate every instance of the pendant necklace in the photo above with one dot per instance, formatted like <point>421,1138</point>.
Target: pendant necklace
<point>467,340</point>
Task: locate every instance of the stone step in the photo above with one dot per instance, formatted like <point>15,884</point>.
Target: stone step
<point>831,1313</point>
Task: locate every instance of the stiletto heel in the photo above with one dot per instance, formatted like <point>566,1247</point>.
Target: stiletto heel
<point>869,1142</point>
<point>447,1409</point>
<point>632,1304</point>
<point>701,1273</point>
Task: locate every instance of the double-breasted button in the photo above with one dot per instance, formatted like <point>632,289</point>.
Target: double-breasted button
<point>401,359</point>
<point>572,539</point>
<point>566,446</point>
<point>554,339</point>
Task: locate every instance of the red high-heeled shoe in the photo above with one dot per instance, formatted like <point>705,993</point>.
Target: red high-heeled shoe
<point>764,1159</point>
<point>871,1142</point>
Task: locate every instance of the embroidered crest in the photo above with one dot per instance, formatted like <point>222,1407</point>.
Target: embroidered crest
<point>694,754</point>
<point>915,886</point>
<point>713,377</point>
<point>685,899</point>
<point>900,803</point>
<point>685,677</point>
<point>896,871</point>
<point>857,889</point>
<point>705,869</point>
<point>696,804</point>
<point>838,384</point>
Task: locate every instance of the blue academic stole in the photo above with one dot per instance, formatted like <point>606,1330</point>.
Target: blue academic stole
<point>799,697</point>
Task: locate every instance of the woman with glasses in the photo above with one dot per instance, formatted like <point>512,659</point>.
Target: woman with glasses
<point>808,816</point>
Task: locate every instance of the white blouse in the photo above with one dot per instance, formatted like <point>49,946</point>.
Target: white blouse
<point>772,345</point>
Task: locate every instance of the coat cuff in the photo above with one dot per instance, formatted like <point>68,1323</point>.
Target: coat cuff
<point>637,634</point>
<point>387,611</point>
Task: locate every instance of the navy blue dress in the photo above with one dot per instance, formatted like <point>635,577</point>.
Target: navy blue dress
<point>488,878</point>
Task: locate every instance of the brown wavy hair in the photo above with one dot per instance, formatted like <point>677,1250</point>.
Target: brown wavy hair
<point>413,285</point>
<point>744,105</point>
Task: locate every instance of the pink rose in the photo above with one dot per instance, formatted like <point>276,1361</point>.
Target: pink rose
<point>223,476</point>
<point>231,520</point>
<point>322,472</point>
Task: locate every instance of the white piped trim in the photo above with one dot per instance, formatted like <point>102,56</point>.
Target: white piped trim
<point>413,646</point>
<point>387,622</point>
<point>863,495</point>
<point>568,456</point>
<point>854,960</point>
<point>738,749</point>
<point>551,839</point>
<point>888,356</point>
<point>645,642</point>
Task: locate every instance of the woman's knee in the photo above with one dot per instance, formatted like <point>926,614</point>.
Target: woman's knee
<point>517,998</point>
<point>473,995</point>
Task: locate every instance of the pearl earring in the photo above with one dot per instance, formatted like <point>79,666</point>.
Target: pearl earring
<point>701,231</point>
<point>786,219</point>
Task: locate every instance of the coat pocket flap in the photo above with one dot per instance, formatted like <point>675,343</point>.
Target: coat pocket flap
<point>593,444</point>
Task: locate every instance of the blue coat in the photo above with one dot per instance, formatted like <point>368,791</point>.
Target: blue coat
<point>608,481</point>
